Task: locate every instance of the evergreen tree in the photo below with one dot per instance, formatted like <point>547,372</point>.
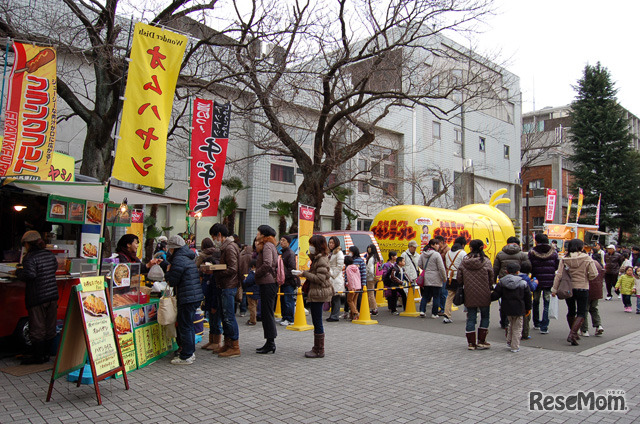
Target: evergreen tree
<point>604,161</point>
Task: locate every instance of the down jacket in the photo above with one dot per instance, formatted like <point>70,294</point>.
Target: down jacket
<point>184,276</point>
<point>229,256</point>
<point>581,268</point>
<point>544,263</point>
<point>267,261</point>
<point>434,272</point>
<point>476,276</point>
<point>320,288</point>
<point>612,263</point>
<point>39,273</point>
<point>515,295</point>
<point>336,263</point>
<point>509,253</point>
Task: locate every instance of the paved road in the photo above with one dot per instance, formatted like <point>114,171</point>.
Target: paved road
<point>404,370</point>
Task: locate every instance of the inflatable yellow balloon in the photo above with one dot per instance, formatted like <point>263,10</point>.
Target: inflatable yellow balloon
<point>396,226</point>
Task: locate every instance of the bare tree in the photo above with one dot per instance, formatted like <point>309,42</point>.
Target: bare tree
<point>536,144</point>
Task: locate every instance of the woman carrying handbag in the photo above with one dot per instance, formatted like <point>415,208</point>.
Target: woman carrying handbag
<point>581,269</point>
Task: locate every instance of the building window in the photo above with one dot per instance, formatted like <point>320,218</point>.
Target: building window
<point>458,135</point>
<point>362,165</point>
<point>436,128</point>
<point>363,187</point>
<point>390,189</point>
<point>506,152</point>
<point>375,169</point>
<point>281,173</point>
<point>482,145</point>
<point>389,171</point>
<point>536,184</point>
<point>538,221</point>
<point>435,185</point>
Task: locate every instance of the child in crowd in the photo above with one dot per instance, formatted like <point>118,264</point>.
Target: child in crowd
<point>250,286</point>
<point>394,277</point>
<point>626,285</point>
<point>353,283</point>
<point>525,270</point>
<point>636,277</point>
<point>516,303</point>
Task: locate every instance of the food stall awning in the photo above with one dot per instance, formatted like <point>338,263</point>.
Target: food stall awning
<point>93,191</point>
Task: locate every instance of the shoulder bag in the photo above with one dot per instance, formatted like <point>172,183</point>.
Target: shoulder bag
<point>458,299</point>
<point>565,289</point>
<point>168,308</point>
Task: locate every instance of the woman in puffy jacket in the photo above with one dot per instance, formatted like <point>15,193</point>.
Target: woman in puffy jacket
<point>581,269</point>
<point>266,266</point>
<point>336,263</point>
<point>434,277</point>
<point>320,290</point>
<point>38,271</point>
<point>475,275</point>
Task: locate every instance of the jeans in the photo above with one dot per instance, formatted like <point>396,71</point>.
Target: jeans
<point>215,313</point>
<point>288,302</point>
<point>243,304</point>
<point>428,293</point>
<point>580,299</point>
<point>443,297</point>
<point>316,316</point>
<point>472,317</point>
<point>335,307</point>
<point>392,300</point>
<point>229,323</point>
<point>637,303</point>
<point>268,294</point>
<point>186,331</point>
<point>546,296</point>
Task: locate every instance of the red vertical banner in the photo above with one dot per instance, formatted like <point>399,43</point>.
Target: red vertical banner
<point>209,141</point>
<point>550,212</point>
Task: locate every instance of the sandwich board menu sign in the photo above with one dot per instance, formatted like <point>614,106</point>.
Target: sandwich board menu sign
<point>88,332</point>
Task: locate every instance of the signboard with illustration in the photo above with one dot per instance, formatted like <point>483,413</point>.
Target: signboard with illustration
<point>88,332</point>
<point>396,226</point>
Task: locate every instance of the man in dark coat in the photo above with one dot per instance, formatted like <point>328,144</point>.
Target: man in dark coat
<point>291,282</point>
<point>612,262</point>
<point>184,277</point>
<point>38,271</point>
<point>228,282</point>
<point>511,253</point>
<point>544,263</point>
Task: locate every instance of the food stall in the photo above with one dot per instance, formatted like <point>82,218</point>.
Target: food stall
<point>76,211</point>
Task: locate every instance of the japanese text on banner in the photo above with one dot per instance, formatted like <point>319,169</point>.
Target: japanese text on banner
<point>209,141</point>
<point>306,218</point>
<point>156,56</point>
<point>551,205</point>
<point>30,122</point>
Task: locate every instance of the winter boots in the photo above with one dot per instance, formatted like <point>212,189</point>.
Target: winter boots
<point>317,351</point>
<point>573,334</point>
<point>233,349</point>
<point>471,340</point>
<point>482,339</point>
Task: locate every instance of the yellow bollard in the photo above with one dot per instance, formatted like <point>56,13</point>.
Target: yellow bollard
<point>299,319</point>
<point>365,315</point>
<point>380,299</point>
<point>411,305</point>
<point>278,312</point>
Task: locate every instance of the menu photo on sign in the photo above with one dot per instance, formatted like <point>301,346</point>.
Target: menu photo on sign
<point>122,318</point>
<point>94,305</point>
<point>94,211</point>
<point>58,209</point>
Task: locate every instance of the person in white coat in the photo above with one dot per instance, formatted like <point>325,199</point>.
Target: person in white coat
<point>453,259</point>
<point>411,258</point>
<point>336,263</point>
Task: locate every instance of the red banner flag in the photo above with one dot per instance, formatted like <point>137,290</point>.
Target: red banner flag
<point>209,141</point>
<point>550,213</point>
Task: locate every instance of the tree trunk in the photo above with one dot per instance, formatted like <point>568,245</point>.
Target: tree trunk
<point>311,193</point>
<point>282,226</point>
<point>96,155</point>
<point>337,216</point>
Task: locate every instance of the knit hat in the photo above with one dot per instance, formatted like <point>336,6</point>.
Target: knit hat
<point>161,238</point>
<point>30,236</point>
<point>413,243</point>
<point>287,238</point>
<point>175,242</point>
<point>155,273</point>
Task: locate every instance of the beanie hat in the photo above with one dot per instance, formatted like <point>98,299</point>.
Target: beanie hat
<point>155,273</point>
<point>175,241</point>
<point>30,236</point>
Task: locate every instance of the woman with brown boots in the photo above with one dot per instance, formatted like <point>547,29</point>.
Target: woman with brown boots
<point>582,269</point>
<point>320,290</point>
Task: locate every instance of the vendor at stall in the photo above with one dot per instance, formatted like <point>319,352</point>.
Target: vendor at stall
<point>38,271</point>
<point>127,249</point>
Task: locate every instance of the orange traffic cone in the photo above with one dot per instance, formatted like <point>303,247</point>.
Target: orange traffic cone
<point>380,299</point>
<point>365,315</point>
<point>299,319</point>
<point>411,305</point>
<point>278,312</point>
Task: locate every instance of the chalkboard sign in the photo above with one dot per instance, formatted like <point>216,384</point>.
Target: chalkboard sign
<point>89,332</point>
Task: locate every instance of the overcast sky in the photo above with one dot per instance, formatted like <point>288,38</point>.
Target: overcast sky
<point>548,43</point>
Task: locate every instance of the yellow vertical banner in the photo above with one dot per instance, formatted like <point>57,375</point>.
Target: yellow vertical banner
<point>306,216</point>
<point>580,199</point>
<point>62,168</point>
<point>569,207</point>
<point>156,56</point>
<point>30,115</point>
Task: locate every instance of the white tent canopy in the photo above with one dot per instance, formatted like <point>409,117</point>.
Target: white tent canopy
<point>94,192</point>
